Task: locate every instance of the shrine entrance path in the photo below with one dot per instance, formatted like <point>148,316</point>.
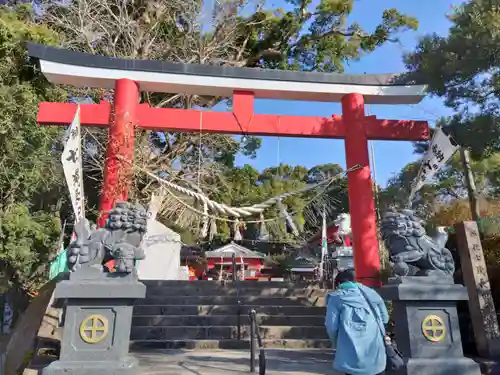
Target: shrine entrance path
<point>227,362</point>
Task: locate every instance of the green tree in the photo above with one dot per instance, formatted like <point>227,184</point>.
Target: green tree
<point>321,172</point>
<point>336,198</point>
<point>30,180</point>
<point>397,192</point>
<point>236,33</point>
<point>463,69</point>
<point>447,186</point>
<point>245,186</point>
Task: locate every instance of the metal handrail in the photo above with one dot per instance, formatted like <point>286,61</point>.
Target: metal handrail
<point>238,300</point>
<point>255,334</point>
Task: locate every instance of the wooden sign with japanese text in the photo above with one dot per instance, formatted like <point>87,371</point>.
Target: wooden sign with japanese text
<point>475,275</point>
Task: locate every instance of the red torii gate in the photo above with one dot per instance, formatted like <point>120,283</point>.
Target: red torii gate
<point>127,77</point>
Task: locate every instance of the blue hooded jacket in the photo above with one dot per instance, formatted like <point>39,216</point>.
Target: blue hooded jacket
<point>354,331</point>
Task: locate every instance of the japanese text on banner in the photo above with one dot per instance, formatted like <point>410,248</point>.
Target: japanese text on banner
<point>440,151</point>
<point>72,162</point>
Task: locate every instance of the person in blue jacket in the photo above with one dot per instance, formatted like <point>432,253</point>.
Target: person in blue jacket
<point>355,332</point>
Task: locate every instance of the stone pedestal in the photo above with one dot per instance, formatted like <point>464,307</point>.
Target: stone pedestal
<point>97,319</point>
<point>426,325</point>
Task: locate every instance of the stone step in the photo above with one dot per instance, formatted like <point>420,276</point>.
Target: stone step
<point>219,320</point>
<point>231,291</point>
<point>226,332</point>
<point>211,284</point>
<point>226,310</point>
<point>141,345</point>
<point>230,300</point>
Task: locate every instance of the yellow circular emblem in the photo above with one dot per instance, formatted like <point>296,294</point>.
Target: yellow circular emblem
<point>433,328</point>
<point>94,329</point>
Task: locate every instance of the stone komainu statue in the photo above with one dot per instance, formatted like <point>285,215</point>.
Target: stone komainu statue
<point>120,239</point>
<point>411,250</point>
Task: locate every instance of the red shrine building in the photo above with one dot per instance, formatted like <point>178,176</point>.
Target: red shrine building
<point>222,260</point>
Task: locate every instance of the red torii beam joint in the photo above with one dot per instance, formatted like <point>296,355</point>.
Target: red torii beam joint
<point>127,78</point>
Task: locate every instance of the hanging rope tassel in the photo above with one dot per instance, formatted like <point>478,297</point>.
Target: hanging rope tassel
<point>237,233</point>
<point>263,234</point>
<point>205,221</point>
<point>155,203</point>
<point>213,229</point>
<point>288,218</point>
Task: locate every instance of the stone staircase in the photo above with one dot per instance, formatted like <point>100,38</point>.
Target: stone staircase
<point>204,315</point>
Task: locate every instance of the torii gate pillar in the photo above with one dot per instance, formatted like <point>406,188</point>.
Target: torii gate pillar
<point>360,187</point>
<point>126,77</point>
<point>120,148</point>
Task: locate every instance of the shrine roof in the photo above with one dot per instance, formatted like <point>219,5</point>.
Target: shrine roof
<point>228,250</point>
<point>79,69</point>
<point>304,262</point>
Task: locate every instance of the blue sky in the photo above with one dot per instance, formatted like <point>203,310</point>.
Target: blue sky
<point>390,157</point>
